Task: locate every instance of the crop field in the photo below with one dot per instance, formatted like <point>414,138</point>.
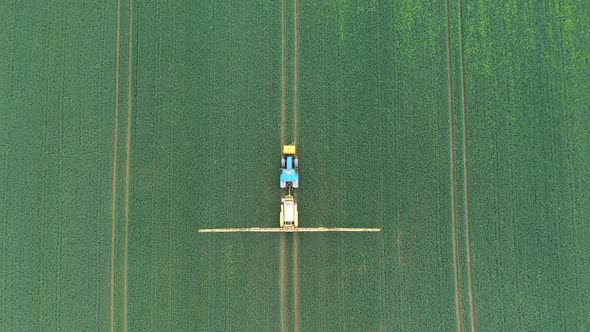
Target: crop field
<point>460,128</point>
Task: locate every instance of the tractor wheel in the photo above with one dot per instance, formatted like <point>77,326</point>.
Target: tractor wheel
<point>296,162</point>
<point>283,162</point>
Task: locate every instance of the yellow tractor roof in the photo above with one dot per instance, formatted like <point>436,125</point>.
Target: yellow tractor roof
<point>289,149</point>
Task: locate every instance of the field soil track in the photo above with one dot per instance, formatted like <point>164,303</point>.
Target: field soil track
<point>114,173</point>
<point>101,206</point>
<point>466,198</point>
<point>453,185</point>
<point>282,281</point>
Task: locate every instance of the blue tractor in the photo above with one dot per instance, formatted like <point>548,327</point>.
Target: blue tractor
<point>289,165</point>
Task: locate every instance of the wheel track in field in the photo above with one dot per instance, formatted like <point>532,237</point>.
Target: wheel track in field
<point>465,161</point>
<point>282,262</point>
<point>282,258</point>
<point>127,170</point>
<point>296,323</point>
<point>114,174</point>
<point>295,72</point>
<point>127,165</point>
<point>282,282</point>
<point>453,177</point>
<point>283,72</point>
<point>295,282</point>
<point>466,175</point>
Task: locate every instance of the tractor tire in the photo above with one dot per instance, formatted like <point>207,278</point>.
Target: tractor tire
<point>283,162</point>
<point>296,163</point>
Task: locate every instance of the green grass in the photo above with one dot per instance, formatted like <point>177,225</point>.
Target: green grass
<point>374,143</point>
<point>56,123</point>
<point>527,173</point>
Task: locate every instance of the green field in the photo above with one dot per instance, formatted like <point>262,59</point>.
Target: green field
<point>461,128</point>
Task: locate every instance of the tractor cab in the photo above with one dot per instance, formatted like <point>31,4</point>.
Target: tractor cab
<point>289,166</point>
